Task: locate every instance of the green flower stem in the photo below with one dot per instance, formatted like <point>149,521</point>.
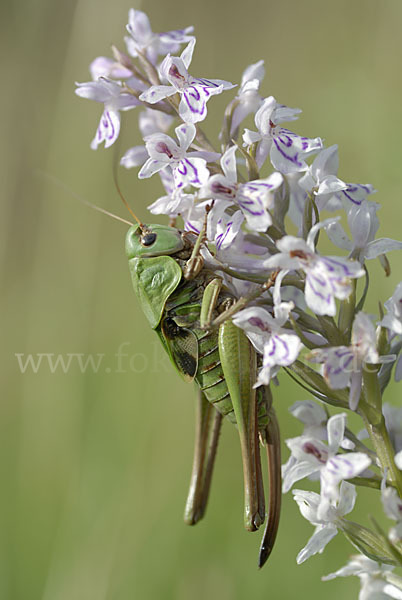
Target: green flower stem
<point>371,411</point>
<point>369,482</point>
<point>347,313</point>
<point>332,333</point>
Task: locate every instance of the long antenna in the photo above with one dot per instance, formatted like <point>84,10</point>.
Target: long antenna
<point>71,192</point>
<point>106,212</point>
<point>126,204</point>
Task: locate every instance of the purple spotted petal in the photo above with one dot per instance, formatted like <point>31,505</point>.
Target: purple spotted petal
<point>319,293</point>
<point>228,164</point>
<point>289,150</point>
<point>346,466</point>
<point>161,147</point>
<point>336,429</point>
<point>309,449</point>
<point>258,217</point>
<point>355,193</point>
<point>327,279</point>
<point>108,129</point>
<point>255,319</point>
<point>339,367</point>
<point>185,134</point>
<point>219,186</point>
<point>337,469</point>
<point>282,350</point>
<point>227,230</point>
<point>191,172</point>
<point>212,84</point>
<point>194,98</point>
<point>255,197</point>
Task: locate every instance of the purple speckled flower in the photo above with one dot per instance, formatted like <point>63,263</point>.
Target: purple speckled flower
<point>254,198</point>
<point>343,365</point>
<point>223,228</point>
<point>265,331</point>
<point>189,168</point>
<point>286,149</point>
<point>313,456</point>
<point>363,224</point>
<point>144,41</point>
<point>194,92</point>
<point>326,525</point>
<point>330,192</point>
<point>112,95</point>
<point>327,277</point>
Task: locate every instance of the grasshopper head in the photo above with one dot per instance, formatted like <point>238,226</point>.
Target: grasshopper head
<point>155,240</point>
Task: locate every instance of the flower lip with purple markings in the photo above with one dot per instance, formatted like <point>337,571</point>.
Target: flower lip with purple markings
<point>327,277</point>
<point>343,365</point>
<point>319,454</point>
<point>254,198</point>
<point>309,457</point>
<point>189,168</point>
<point>194,92</point>
<point>266,333</point>
<point>257,322</point>
<point>286,149</point>
<point>114,99</point>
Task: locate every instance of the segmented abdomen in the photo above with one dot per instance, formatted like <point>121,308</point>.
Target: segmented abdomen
<point>184,308</point>
<point>211,379</point>
<point>210,375</point>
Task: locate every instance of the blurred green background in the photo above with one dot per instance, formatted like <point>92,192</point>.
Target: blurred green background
<point>94,467</point>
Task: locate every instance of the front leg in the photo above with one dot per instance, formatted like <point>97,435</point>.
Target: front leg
<point>196,262</point>
<point>209,302</point>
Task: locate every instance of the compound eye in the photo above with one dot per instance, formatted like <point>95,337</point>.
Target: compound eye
<point>148,239</point>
